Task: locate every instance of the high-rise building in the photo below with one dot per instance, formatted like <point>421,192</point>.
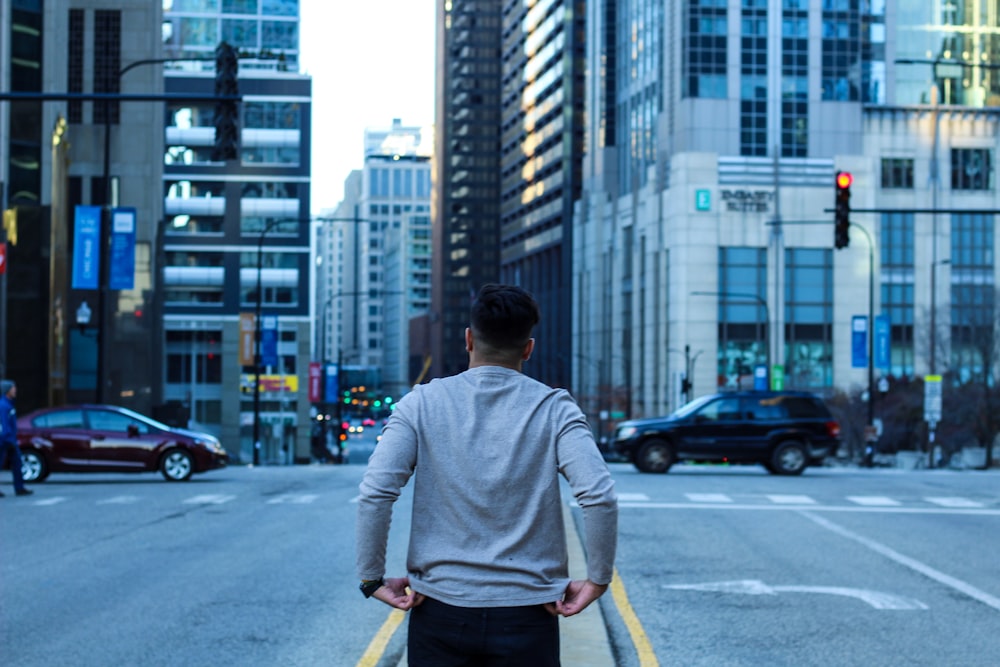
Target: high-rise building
<point>466,203</point>
<point>377,256</point>
<point>61,153</point>
<point>236,235</point>
<point>703,241</point>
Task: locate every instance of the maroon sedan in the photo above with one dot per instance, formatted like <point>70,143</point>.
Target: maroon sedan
<point>107,438</point>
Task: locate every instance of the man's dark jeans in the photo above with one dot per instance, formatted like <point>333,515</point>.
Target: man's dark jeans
<point>12,452</point>
<point>441,635</point>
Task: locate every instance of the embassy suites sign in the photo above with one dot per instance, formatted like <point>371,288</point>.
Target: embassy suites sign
<point>747,201</point>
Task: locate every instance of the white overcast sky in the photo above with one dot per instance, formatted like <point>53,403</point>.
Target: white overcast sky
<point>370,62</point>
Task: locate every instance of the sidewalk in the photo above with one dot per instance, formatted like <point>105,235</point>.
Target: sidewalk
<point>583,638</point>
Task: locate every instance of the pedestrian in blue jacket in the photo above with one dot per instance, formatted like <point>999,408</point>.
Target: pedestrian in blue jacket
<point>8,436</point>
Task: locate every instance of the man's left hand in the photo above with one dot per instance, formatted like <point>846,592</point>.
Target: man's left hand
<point>396,592</point>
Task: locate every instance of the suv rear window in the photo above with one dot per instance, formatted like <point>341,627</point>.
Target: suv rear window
<point>800,407</point>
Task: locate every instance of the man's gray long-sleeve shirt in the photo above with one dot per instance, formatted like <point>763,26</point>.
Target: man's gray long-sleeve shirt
<point>485,449</point>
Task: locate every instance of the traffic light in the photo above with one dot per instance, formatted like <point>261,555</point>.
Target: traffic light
<point>345,427</point>
<point>227,114</point>
<point>842,209</point>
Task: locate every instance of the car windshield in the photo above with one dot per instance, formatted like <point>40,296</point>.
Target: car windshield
<point>144,419</point>
<point>693,406</point>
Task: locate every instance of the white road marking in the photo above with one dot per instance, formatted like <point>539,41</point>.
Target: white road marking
<point>791,500</point>
<point>50,501</point>
<point>632,497</point>
<point>708,498</point>
<point>119,500</point>
<point>209,499</point>
<point>873,501</point>
<point>876,599</point>
<point>906,561</point>
<point>293,499</point>
<point>972,511</point>
<point>954,502</point>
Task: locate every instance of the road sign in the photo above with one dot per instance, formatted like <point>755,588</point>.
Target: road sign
<point>932,398</point>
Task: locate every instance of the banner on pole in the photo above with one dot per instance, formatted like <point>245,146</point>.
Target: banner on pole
<point>859,341</point>
<point>86,246</point>
<point>248,328</point>
<point>121,269</point>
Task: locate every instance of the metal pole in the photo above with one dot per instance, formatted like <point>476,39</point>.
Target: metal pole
<point>256,355</point>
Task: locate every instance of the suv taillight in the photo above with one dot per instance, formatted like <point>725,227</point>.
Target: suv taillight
<point>833,429</point>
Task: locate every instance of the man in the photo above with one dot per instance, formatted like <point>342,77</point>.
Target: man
<point>8,436</point>
<point>487,563</point>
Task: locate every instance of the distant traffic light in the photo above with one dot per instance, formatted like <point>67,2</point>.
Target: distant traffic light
<point>227,113</point>
<point>345,428</point>
<point>842,209</point>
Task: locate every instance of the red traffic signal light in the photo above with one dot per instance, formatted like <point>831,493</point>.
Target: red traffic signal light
<point>842,209</point>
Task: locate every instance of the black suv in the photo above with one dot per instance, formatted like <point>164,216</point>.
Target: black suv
<point>784,431</point>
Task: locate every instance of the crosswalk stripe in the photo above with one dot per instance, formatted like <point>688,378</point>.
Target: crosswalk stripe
<point>119,500</point>
<point>873,501</point>
<point>209,499</point>
<point>791,500</point>
<point>953,502</point>
<point>632,497</point>
<point>708,498</point>
<point>293,499</point>
<point>50,501</point>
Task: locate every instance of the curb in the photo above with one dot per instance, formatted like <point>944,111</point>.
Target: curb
<point>583,638</point>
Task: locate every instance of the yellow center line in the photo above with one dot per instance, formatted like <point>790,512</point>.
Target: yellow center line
<point>647,658</point>
<point>381,639</point>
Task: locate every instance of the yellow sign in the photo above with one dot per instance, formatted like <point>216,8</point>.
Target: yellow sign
<point>275,383</point>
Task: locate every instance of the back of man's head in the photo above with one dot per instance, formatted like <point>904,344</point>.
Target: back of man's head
<point>502,317</point>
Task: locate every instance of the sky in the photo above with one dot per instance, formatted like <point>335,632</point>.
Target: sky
<point>370,62</point>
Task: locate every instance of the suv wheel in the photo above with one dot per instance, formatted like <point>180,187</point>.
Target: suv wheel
<point>654,456</point>
<point>789,458</point>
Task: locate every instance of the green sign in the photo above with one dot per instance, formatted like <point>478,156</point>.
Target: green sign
<point>703,200</point>
<point>777,378</point>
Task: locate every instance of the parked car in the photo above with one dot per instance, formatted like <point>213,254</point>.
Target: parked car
<point>107,438</point>
<point>783,431</point>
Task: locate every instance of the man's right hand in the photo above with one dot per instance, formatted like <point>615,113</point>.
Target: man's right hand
<point>396,592</point>
<point>578,596</point>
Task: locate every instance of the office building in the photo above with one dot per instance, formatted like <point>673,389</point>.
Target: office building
<point>236,236</point>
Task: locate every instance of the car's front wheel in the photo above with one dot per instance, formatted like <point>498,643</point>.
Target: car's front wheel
<point>33,466</point>
<point>789,458</point>
<point>654,456</point>
<point>177,465</point>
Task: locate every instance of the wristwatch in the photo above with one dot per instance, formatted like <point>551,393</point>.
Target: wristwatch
<point>369,587</point>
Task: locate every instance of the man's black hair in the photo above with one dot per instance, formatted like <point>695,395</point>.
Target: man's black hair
<point>502,316</point>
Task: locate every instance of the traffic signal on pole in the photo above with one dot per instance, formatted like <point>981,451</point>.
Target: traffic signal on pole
<point>227,113</point>
<point>842,209</point>
<point>345,427</point>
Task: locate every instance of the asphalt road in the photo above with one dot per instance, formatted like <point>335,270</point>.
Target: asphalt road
<point>717,566</point>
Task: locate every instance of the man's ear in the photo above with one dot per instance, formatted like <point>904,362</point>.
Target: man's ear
<point>529,347</point>
<point>468,339</point>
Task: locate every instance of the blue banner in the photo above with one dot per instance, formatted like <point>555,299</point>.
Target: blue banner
<point>269,340</point>
<point>122,265</point>
<point>331,392</point>
<point>86,246</point>
<point>882,344</point>
<point>859,341</point>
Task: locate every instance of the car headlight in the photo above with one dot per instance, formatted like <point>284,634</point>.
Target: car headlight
<point>211,445</point>
<point>625,432</point>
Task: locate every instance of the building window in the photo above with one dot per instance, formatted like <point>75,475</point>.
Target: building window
<point>753,81</point>
<point>971,169</point>
<point>74,65</point>
<point>795,80</point>
<point>743,315</point>
<point>841,51</point>
<point>194,357</point>
<point>897,173</point>
<point>808,318</point>
<point>973,297</point>
<point>704,45</point>
<point>896,250</point>
<point>107,62</point>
